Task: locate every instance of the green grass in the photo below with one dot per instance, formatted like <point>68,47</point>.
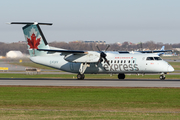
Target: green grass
<point>87,76</point>
<point>89,103</point>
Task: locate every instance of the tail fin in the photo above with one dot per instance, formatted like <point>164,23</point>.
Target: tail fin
<point>34,37</point>
<point>162,49</point>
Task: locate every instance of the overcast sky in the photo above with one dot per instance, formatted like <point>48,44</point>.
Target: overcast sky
<point>100,20</point>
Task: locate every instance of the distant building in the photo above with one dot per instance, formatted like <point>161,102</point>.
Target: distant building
<point>96,42</point>
<point>89,42</point>
<point>14,54</point>
<point>118,43</point>
<point>178,49</point>
<point>2,57</point>
<point>77,41</point>
<point>22,42</point>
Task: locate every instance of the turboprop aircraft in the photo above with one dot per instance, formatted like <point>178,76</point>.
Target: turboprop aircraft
<point>158,52</point>
<point>90,62</point>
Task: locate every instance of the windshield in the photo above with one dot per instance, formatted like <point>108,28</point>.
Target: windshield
<point>149,58</point>
<point>153,58</point>
<point>157,58</point>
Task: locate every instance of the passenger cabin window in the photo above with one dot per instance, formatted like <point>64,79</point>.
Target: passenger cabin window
<point>149,58</point>
<point>115,61</point>
<point>129,61</point>
<point>157,58</point>
<point>121,61</point>
<point>124,61</point>
<point>133,61</point>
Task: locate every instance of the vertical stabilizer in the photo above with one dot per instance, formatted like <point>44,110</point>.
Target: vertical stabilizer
<point>162,49</point>
<point>34,37</point>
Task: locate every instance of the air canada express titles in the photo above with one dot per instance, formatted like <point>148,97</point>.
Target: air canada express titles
<point>121,67</point>
<point>123,57</point>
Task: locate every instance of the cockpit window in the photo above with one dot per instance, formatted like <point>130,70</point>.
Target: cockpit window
<point>157,58</point>
<point>149,58</point>
<point>153,58</point>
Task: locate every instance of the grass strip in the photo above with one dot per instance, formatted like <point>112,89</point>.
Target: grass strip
<point>89,103</point>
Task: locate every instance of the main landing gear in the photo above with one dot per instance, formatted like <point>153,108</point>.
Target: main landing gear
<point>80,76</point>
<point>121,76</point>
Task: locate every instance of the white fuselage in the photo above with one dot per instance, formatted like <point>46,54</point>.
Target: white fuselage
<point>119,63</point>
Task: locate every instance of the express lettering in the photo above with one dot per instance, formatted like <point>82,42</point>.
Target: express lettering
<point>121,67</point>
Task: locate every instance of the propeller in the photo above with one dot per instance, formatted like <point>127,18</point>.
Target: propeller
<point>103,55</point>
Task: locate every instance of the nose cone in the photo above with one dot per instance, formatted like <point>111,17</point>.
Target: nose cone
<point>170,68</point>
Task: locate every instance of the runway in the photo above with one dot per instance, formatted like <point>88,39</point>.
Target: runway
<point>89,82</point>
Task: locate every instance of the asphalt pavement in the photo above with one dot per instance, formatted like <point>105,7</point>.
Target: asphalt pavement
<point>90,82</point>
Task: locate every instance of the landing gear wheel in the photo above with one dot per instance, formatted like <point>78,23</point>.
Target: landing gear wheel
<point>80,76</point>
<point>162,77</point>
<point>121,76</point>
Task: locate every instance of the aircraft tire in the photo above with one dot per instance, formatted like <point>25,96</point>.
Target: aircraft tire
<point>83,76</point>
<point>161,77</point>
<point>80,76</point>
<point>121,76</point>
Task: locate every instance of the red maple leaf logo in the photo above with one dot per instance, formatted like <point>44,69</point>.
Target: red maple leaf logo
<point>33,43</point>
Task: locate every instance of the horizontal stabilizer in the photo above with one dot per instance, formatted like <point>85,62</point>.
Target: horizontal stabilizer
<point>30,23</point>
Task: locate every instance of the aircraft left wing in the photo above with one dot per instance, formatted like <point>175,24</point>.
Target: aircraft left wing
<point>64,52</point>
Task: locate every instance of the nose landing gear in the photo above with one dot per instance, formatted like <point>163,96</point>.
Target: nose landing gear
<point>162,77</point>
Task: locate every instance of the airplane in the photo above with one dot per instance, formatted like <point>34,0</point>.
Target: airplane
<point>90,62</point>
<point>158,52</point>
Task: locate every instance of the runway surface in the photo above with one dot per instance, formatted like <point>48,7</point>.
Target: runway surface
<point>90,82</point>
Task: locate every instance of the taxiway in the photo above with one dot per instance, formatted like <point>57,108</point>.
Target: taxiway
<point>89,82</point>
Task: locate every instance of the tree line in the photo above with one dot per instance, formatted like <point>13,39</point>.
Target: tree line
<point>125,46</point>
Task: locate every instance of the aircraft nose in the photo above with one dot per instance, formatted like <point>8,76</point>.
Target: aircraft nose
<point>170,68</point>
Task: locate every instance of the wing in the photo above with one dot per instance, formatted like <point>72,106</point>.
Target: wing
<point>76,56</point>
<point>64,52</point>
<point>155,51</point>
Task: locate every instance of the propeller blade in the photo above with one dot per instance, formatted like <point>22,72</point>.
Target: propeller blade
<point>98,47</point>
<point>106,61</point>
<point>100,59</point>
<point>107,47</point>
<point>103,54</point>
